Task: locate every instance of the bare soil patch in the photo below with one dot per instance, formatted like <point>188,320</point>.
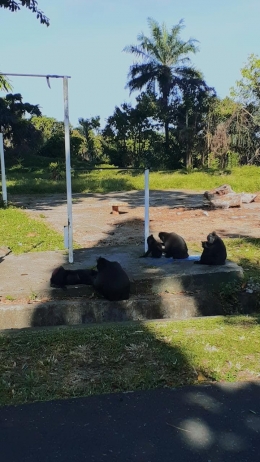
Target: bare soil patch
<point>170,210</point>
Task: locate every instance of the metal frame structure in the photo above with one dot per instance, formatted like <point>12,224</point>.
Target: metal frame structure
<point>68,230</point>
<point>146,208</point>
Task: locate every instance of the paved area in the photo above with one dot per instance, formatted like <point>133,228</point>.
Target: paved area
<point>32,271</point>
<point>215,423</point>
<point>160,289</point>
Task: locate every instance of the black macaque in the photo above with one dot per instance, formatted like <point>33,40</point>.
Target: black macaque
<point>154,247</point>
<point>111,280</point>
<point>214,251</point>
<point>174,245</point>
<point>61,277</point>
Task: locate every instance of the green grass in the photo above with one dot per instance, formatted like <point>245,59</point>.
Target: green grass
<point>69,362</point>
<point>37,181</point>
<point>23,234</point>
<point>246,253</point>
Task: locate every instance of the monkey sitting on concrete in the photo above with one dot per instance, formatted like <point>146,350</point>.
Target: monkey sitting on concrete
<point>111,280</point>
<point>154,247</point>
<point>174,245</point>
<point>214,251</point>
<point>61,277</point>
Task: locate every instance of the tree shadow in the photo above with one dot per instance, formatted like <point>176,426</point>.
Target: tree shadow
<point>211,422</point>
<point>131,198</point>
<point>200,423</point>
<point>160,289</point>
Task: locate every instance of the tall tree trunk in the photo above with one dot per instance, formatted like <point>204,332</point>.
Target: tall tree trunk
<point>188,157</point>
<point>166,131</point>
<point>166,120</point>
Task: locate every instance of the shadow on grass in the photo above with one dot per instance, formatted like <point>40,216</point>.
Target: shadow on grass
<point>135,363</point>
<point>83,361</point>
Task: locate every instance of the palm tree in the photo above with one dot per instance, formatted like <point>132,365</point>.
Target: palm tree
<point>5,84</point>
<point>164,64</point>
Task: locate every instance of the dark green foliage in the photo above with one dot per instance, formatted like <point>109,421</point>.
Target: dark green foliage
<point>32,5</point>
<point>54,146</point>
<point>19,133</point>
<point>53,138</point>
<point>89,129</point>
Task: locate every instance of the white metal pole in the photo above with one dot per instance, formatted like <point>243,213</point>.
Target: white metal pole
<point>68,168</point>
<point>4,191</point>
<point>146,208</point>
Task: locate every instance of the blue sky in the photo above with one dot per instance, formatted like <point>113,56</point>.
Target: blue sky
<point>86,38</point>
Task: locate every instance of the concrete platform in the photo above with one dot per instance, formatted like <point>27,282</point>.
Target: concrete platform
<point>160,289</point>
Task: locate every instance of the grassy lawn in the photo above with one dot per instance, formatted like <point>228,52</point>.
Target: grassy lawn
<point>23,234</point>
<point>37,180</point>
<point>246,253</point>
<point>70,362</point>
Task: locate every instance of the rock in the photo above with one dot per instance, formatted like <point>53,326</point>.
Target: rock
<point>247,197</point>
<point>220,191</point>
<point>226,201</point>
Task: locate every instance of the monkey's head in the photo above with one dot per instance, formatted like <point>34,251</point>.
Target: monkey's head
<point>101,263</point>
<point>150,239</point>
<point>57,276</point>
<point>211,237</point>
<point>162,236</point>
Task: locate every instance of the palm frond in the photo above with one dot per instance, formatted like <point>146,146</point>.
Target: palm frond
<point>140,75</point>
<point>164,56</point>
<point>5,84</point>
<point>135,50</point>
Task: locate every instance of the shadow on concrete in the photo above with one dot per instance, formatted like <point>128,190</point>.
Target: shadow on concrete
<point>160,288</point>
<point>194,424</point>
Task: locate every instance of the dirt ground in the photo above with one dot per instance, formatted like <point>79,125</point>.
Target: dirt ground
<point>170,210</point>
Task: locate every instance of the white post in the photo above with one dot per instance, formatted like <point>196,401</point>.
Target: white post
<point>146,208</point>
<point>68,169</point>
<point>4,191</point>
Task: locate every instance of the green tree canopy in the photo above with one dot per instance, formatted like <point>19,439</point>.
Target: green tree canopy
<point>165,62</point>
<point>19,134</point>
<point>89,129</point>
<point>247,89</point>
<point>32,5</point>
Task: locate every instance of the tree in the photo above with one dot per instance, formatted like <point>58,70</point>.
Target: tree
<point>247,90</point>
<point>164,64</point>
<point>32,5</point>
<point>246,94</point>
<point>48,126</point>
<point>89,128</point>
<point>5,84</point>
<point>19,133</point>
<point>52,135</point>
<point>131,137</point>
<point>193,104</point>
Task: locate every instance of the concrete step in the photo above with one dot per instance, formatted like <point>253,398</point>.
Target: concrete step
<point>160,289</point>
<point>87,311</point>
